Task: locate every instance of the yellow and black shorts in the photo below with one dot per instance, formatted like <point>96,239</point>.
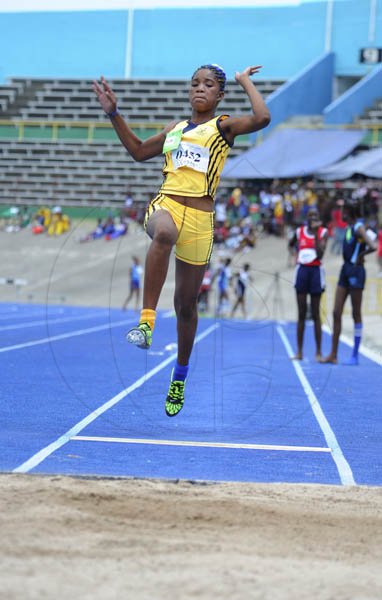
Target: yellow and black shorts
<point>195,229</point>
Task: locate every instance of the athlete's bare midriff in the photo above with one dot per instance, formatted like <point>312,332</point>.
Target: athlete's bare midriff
<point>204,203</point>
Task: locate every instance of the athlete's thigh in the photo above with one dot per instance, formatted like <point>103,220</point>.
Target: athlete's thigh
<point>301,303</point>
<point>162,221</point>
<point>340,299</point>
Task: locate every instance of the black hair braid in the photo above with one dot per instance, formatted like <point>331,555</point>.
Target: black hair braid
<point>218,72</point>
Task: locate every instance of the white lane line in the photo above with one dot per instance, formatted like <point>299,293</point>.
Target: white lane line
<point>84,438</point>
<point>48,321</point>
<point>371,354</point>
<point>40,456</point>
<point>343,466</point>
<point>64,336</point>
<point>28,314</point>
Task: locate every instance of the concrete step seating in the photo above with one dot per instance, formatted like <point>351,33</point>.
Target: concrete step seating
<point>76,171</point>
<point>146,100</point>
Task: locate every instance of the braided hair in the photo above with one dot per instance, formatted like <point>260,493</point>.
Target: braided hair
<point>218,72</point>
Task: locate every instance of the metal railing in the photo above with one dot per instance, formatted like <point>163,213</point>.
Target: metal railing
<point>56,127</point>
<point>89,129</point>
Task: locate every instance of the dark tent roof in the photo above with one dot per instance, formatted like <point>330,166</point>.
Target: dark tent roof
<point>367,163</point>
<point>293,153</point>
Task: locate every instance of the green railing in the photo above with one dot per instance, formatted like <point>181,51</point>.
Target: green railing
<point>92,131</point>
<point>87,131</point>
<point>373,133</point>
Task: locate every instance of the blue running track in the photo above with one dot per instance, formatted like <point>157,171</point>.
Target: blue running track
<point>76,399</point>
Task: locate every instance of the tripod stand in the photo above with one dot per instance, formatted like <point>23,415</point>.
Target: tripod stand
<point>273,295</point>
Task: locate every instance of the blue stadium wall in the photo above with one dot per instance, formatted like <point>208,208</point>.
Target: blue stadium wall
<point>170,43</point>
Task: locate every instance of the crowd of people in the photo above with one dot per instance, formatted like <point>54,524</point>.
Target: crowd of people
<point>51,221</point>
<point>276,206</point>
<point>108,229</point>
<point>313,220</point>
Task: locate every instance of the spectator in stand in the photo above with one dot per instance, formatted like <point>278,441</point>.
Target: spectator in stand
<point>127,209</point>
<point>379,251</point>
<point>278,217</point>
<point>288,210</point>
<point>109,226</point>
<point>243,210</point>
<point>266,210</point>
<point>221,233</point>
<point>60,223</point>
<point>220,212</point>
<point>254,210</point>
<point>41,220</point>
<point>96,234</point>
<point>120,229</point>
<point>233,205</point>
<point>205,289</point>
<point>247,236</point>
<point>339,228</point>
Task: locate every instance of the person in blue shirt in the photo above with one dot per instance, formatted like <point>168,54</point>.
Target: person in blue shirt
<point>135,283</point>
<point>356,245</point>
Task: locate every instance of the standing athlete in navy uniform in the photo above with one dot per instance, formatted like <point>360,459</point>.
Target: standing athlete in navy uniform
<point>311,242</point>
<point>182,214</point>
<point>356,245</point>
<point>224,279</point>
<point>243,278</point>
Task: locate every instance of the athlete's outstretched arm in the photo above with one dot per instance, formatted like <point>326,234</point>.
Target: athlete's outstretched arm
<point>138,149</point>
<point>260,116</point>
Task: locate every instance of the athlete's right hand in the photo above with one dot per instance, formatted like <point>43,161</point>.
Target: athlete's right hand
<point>105,95</point>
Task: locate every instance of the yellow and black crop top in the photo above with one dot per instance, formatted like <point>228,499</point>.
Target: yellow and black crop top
<point>194,158</point>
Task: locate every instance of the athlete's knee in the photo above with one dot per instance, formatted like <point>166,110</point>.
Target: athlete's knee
<point>186,309</point>
<point>302,310</point>
<point>356,314</point>
<point>164,236</point>
<point>337,314</point>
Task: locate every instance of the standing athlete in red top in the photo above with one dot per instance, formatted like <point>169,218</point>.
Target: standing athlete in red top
<point>311,242</point>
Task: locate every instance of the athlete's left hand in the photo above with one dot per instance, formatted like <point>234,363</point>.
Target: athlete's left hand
<point>247,73</point>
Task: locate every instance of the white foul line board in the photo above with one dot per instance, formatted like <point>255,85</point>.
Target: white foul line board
<point>84,438</point>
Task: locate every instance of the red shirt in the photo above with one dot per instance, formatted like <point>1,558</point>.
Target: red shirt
<point>337,219</point>
<point>379,250</point>
<point>306,246</point>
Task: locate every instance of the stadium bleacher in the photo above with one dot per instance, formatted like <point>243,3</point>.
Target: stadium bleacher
<point>75,171</point>
<point>69,153</point>
<point>372,116</point>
